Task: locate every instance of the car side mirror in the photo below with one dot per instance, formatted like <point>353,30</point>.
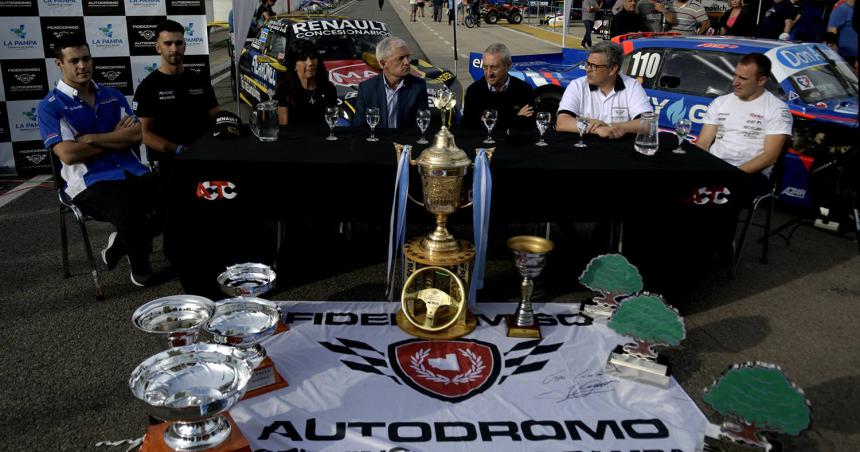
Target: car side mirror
<point>370,59</point>
<point>669,81</point>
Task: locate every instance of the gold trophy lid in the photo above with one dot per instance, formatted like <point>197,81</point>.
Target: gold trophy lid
<point>444,153</point>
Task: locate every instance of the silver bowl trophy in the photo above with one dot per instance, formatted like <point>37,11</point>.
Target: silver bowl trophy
<point>650,322</point>
<point>243,323</point>
<point>529,258</point>
<point>177,317</point>
<point>247,280</point>
<point>442,167</point>
<point>191,386</point>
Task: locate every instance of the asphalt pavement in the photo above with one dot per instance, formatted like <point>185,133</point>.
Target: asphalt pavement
<point>67,357</point>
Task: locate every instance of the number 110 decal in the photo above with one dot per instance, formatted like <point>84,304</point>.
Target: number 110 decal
<point>645,64</point>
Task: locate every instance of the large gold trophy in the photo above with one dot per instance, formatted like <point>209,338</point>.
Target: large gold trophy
<point>442,167</point>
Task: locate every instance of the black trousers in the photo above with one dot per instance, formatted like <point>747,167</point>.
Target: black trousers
<point>134,206</point>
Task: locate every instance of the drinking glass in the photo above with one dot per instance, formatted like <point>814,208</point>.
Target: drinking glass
<point>542,120</point>
<point>648,138</point>
<point>682,128</point>
<point>582,125</point>
<point>372,115</point>
<point>489,117</point>
<point>331,115</point>
<point>423,120</point>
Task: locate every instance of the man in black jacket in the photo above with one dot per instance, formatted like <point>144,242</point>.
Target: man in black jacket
<point>510,96</point>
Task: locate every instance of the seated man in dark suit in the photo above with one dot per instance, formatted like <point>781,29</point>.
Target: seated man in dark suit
<point>510,96</point>
<point>396,92</point>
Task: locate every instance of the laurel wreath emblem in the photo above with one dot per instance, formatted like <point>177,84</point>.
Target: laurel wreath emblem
<point>416,362</point>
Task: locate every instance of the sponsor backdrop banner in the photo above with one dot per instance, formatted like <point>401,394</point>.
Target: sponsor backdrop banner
<point>357,382</point>
<point>121,36</point>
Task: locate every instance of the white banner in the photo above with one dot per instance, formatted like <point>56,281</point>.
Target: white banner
<point>357,382</point>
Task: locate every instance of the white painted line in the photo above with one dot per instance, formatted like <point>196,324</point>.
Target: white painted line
<point>217,79</point>
<point>447,42</point>
<point>23,188</point>
<point>464,56</point>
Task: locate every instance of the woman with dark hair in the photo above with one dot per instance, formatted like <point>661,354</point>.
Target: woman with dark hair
<point>736,21</point>
<point>306,90</point>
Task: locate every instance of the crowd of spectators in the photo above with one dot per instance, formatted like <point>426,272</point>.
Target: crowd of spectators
<point>827,21</point>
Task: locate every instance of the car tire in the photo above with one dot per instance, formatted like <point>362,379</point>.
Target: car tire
<point>515,18</point>
<point>491,18</point>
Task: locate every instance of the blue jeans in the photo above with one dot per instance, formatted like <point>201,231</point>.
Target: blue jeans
<point>586,40</point>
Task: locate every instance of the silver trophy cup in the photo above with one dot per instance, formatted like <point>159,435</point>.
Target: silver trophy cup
<point>177,317</point>
<point>529,258</point>
<point>244,322</point>
<point>192,385</point>
<point>247,280</point>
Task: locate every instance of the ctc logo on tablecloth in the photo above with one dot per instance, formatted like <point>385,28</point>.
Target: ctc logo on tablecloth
<point>216,189</point>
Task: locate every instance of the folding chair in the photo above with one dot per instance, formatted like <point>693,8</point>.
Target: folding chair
<point>774,183</point>
<point>67,206</point>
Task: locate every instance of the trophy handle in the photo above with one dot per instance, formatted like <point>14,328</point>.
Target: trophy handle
<point>398,149</point>
<point>489,152</point>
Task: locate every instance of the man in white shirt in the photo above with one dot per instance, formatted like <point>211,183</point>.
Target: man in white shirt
<point>749,127</point>
<point>612,101</point>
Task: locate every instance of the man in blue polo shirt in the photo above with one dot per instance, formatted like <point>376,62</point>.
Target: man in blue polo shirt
<point>92,129</point>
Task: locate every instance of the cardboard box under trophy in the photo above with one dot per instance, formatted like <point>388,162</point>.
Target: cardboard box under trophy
<point>650,322</point>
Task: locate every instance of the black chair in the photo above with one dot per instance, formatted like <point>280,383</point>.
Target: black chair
<point>67,206</point>
<point>770,195</point>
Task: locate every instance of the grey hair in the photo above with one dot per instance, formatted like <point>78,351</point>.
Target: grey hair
<point>501,50</point>
<point>611,51</point>
<point>384,47</point>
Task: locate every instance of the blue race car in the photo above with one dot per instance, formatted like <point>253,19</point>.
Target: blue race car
<point>682,75</point>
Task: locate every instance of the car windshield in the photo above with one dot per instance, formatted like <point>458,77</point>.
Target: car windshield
<point>824,82</point>
<point>348,47</point>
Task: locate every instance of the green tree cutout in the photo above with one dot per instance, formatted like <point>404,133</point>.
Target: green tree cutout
<point>612,276</point>
<point>758,397</point>
<point>650,322</point>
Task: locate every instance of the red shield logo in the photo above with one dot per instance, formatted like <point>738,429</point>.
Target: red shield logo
<point>452,370</point>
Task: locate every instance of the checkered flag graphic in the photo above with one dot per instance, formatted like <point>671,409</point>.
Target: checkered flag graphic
<point>523,351</point>
<point>371,364</point>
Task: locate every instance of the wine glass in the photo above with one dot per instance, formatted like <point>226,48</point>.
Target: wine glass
<point>423,120</point>
<point>489,117</point>
<point>372,115</point>
<point>331,115</point>
<point>682,128</point>
<point>542,120</point>
<point>582,125</point>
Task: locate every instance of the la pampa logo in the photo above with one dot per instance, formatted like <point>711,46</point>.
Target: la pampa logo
<point>451,371</point>
<point>190,39</point>
<point>107,40</point>
<point>148,69</point>
<point>19,41</point>
<point>30,122</point>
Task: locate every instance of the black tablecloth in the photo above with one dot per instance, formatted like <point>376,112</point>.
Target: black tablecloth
<point>302,176</point>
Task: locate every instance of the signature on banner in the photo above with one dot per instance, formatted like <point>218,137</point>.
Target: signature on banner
<point>562,387</point>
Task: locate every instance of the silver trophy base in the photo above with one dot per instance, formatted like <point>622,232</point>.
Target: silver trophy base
<point>190,436</point>
<point>597,311</point>
<point>624,365</point>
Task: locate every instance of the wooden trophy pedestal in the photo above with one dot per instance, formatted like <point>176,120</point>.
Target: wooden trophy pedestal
<point>154,439</point>
<point>266,378</point>
<point>529,331</point>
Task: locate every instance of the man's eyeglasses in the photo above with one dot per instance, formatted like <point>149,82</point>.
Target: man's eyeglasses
<point>591,66</point>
